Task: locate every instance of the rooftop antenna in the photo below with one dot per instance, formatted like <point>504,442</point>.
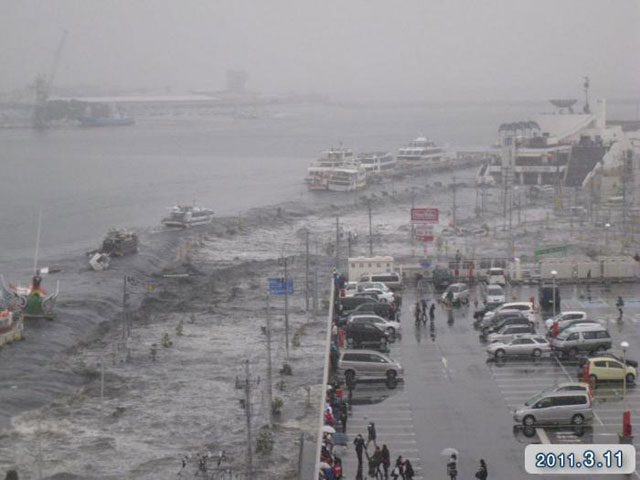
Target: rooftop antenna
<point>586,108</point>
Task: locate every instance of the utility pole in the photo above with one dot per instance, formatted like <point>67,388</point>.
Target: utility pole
<point>286,307</point>
<point>370,231</point>
<point>337,242</point>
<point>349,244</point>
<point>306,284</point>
<point>125,300</point>
<point>315,279</point>
<point>413,205</point>
<point>247,409</point>
<point>269,381</point>
<point>454,208</point>
<point>504,196</point>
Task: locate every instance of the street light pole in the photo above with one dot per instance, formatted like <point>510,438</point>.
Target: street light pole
<point>606,234</point>
<point>370,231</point>
<point>624,345</point>
<point>553,275</point>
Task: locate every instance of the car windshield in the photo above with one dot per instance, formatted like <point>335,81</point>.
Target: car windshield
<point>564,334</point>
<point>494,291</point>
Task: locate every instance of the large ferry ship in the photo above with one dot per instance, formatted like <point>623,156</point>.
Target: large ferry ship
<point>421,154</point>
<point>338,163</point>
<point>377,164</point>
<point>185,216</point>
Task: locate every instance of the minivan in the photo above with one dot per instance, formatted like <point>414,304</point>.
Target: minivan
<point>564,317</point>
<point>560,407</point>
<point>357,364</point>
<point>582,337</point>
<point>391,280</point>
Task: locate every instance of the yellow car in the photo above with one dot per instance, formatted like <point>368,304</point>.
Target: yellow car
<point>606,368</point>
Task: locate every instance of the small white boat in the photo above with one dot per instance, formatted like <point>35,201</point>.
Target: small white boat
<point>321,170</point>
<point>11,327</point>
<point>188,216</point>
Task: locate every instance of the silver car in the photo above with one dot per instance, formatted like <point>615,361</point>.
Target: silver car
<point>509,332</point>
<point>524,345</point>
<point>357,364</point>
<point>559,407</point>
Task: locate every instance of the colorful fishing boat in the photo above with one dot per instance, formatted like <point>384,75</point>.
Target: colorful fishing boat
<point>34,301</point>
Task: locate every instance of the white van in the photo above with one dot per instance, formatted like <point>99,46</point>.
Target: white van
<point>391,280</point>
<point>496,276</point>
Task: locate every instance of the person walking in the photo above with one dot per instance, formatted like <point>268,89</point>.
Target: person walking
<point>620,304</point>
<point>371,434</point>
<point>408,470</point>
<point>386,461</point>
<point>432,311</point>
<point>358,442</point>
<point>344,416</point>
<point>482,472</point>
<point>452,467</point>
<point>423,312</point>
<point>398,469</point>
<point>417,311</point>
<point>375,461</point>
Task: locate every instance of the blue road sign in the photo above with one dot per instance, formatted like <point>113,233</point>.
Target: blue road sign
<point>277,286</point>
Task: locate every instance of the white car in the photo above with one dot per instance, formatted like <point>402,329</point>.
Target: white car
<point>362,286</point>
<point>509,332</point>
<point>563,317</point>
<point>457,291</point>
<point>496,276</point>
<point>383,297</point>
<point>525,308</point>
<point>389,326</point>
<point>494,295</point>
<point>350,288</point>
<point>524,345</point>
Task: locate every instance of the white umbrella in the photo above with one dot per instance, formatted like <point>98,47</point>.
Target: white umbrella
<point>449,451</point>
<point>324,465</point>
<point>328,429</point>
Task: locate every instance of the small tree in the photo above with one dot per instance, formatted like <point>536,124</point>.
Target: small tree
<point>264,440</point>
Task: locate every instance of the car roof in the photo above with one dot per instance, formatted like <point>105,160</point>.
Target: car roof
<point>367,315</point>
<point>458,285</point>
<point>578,327</point>
<point>573,312</point>
<point>595,359</point>
<point>513,304</point>
<point>362,350</point>
<point>497,268</point>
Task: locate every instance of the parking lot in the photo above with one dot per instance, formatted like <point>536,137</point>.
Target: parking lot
<point>454,396</point>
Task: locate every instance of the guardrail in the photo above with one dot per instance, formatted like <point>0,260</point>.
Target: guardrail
<point>325,382</point>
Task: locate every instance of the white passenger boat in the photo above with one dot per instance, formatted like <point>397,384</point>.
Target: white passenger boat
<point>377,164</point>
<point>188,216</point>
<point>321,170</point>
<point>421,154</point>
<point>348,178</point>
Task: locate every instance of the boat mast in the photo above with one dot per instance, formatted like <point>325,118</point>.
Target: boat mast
<point>35,257</point>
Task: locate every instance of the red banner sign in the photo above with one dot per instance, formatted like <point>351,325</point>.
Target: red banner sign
<point>424,215</point>
<point>424,232</point>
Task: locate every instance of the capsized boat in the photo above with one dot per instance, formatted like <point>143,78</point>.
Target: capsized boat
<point>34,301</point>
<point>99,261</point>
<point>185,216</point>
<point>11,326</point>
<point>119,242</point>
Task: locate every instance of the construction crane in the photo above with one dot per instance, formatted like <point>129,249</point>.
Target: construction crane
<point>43,87</point>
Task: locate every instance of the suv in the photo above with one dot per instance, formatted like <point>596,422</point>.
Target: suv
<point>545,297</point>
<point>383,310</point>
<point>563,317</point>
<point>510,331</point>
<point>559,407</point>
<point>389,326</point>
<point>523,307</point>
<point>442,278</point>
<point>347,304</point>
<point>362,334</point>
<point>492,321</point>
<point>589,337</point>
<point>354,364</point>
<point>572,323</point>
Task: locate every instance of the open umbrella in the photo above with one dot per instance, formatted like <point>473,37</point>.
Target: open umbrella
<point>324,465</point>
<point>449,451</point>
<point>328,429</point>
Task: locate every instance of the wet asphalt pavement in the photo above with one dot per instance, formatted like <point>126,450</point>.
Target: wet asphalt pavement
<point>452,396</point>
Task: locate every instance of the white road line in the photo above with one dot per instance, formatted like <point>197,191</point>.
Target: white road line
<point>542,435</point>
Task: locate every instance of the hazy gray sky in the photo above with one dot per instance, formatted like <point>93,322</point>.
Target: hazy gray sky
<point>431,49</point>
